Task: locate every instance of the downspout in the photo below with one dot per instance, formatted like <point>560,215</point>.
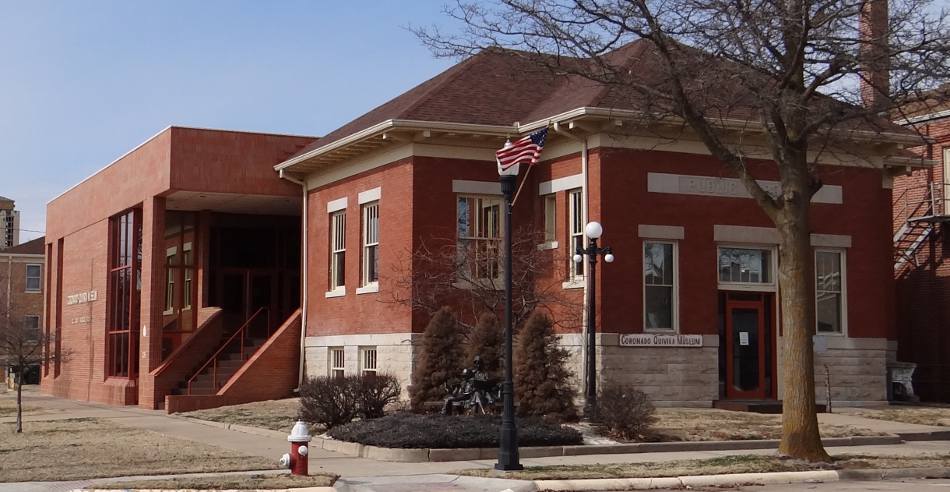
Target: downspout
<point>303,277</point>
<point>583,141</point>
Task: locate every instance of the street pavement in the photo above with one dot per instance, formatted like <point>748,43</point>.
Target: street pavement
<point>916,485</point>
<point>362,474</point>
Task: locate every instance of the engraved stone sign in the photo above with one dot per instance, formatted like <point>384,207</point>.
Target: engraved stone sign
<point>655,340</point>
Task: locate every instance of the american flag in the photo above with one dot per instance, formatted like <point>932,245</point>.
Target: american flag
<point>525,150</point>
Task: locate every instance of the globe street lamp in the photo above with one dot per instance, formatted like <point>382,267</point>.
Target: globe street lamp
<point>593,230</point>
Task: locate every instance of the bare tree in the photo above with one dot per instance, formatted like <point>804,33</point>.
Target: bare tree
<point>21,348</point>
<point>444,272</point>
<point>804,78</point>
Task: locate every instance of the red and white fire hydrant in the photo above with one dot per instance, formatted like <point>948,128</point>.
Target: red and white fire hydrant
<point>297,459</point>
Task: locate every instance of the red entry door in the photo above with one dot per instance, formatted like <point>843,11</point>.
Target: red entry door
<point>745,350</point>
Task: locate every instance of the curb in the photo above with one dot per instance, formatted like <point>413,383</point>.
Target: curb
<point>738,479</point>
<point>925,436</point>
<point>246,429</point>
<point>304,489</point>
<point>423,455</point>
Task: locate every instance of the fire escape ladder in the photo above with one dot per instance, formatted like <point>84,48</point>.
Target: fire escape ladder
<point>922,218</point>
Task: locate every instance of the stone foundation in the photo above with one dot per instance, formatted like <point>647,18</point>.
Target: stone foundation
<point>394,354</point>
<point>858,368</point>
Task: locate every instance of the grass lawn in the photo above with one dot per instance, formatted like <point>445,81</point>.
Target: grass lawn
<point>710,424</point>
<point>714,466</point>
<point>227,482</point>
<point>909,415</point>
<point>92,448</point>
<point>278,415</point>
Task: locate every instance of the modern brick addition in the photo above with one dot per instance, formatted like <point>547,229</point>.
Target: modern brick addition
<point>196,210</point>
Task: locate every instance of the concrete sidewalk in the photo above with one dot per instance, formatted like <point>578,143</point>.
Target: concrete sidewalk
<point>367,474</point>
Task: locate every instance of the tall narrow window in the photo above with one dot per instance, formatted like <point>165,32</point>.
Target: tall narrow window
<point>828,291</point>
<point>170,274</point>
<point>336,362</point>
<point>659,289</point>
<point>186,258</point>
<point>946,181</point>
<point>550,218</point>
<point>34,274</point>
<point>479,237</point>
<point>337,249</point>
<point>124,285</point>
<point>370,228</point>
<point>575,222</point>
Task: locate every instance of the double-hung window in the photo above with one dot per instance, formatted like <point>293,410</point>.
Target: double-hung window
<point>336,362</point>
<point>31,327</point>
<point>829,291</point>
<point>575,226</point>
<point>659,285</point>
<point>368,361</point>
<point>370,274</point>
<point>337,250</point>
<point>479,223</point>
<point>33,276</point>
<point>550,218</point>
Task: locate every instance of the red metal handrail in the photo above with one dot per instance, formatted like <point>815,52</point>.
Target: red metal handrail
<point>213,360</point>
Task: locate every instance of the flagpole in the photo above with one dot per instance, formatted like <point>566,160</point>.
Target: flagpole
<point>523,181</point>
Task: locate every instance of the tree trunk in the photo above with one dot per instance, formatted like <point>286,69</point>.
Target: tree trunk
<point>800,436</point>
<point>19,402</point>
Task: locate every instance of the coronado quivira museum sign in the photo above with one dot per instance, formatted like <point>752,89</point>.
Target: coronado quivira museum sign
<point>649,340</point>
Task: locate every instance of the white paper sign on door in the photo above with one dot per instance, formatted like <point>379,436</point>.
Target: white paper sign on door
<point>743,338</point>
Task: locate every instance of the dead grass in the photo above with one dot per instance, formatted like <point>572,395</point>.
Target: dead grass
<point>938,416</point>
<point>278,415</point>
<point>227,482</point>
<point>710,424</point>
<point>8,406</point>
<point>93,448</point>
<point>714,466</point>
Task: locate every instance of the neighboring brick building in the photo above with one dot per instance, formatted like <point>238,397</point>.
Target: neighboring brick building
<point>922,263</point>
<point>170,267</point>
<point>21,289</point>
<point>696,257</point>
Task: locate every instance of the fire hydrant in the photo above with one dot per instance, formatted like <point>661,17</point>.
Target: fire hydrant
<point>297,459</point>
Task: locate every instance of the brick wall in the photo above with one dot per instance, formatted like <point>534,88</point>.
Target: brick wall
<point>923,284</point>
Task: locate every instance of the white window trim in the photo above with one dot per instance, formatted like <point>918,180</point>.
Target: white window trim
<point>366,289</point>
<point>467,187</point>
<point>333,252</point>
<point>844,291</point>
<point>561,184</point>
<point>336,205</point>
<point>676,287</point>
<point>372,195</point>
<point>26,275</point>
<point>367,286</point>
<point>772,286</point>
<point>362,359</point>
<point>337,292</point>
<point>575,281</point>
<point>330,366</point>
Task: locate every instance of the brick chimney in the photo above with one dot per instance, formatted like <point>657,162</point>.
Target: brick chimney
<point>875,64</point>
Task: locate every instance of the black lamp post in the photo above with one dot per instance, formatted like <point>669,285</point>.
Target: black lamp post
<point>593,230</point>
<point>508,442</point>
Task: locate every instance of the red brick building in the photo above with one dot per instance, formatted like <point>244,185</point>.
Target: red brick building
<point>921,219</point>
<point>174,272</point>
<point>21,288</point>
<point>175,276</point>
<point>688,310</point>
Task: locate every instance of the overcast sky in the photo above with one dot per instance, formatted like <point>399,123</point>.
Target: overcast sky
<point>82,82</point>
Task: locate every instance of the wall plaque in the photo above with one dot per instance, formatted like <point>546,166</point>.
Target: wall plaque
<point>82,297</point>
<point>651,340</point>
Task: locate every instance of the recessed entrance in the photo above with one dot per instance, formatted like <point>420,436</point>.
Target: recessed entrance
<point>747,345</point>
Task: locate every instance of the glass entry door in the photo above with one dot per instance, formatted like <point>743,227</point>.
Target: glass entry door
<point>745,350</point>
